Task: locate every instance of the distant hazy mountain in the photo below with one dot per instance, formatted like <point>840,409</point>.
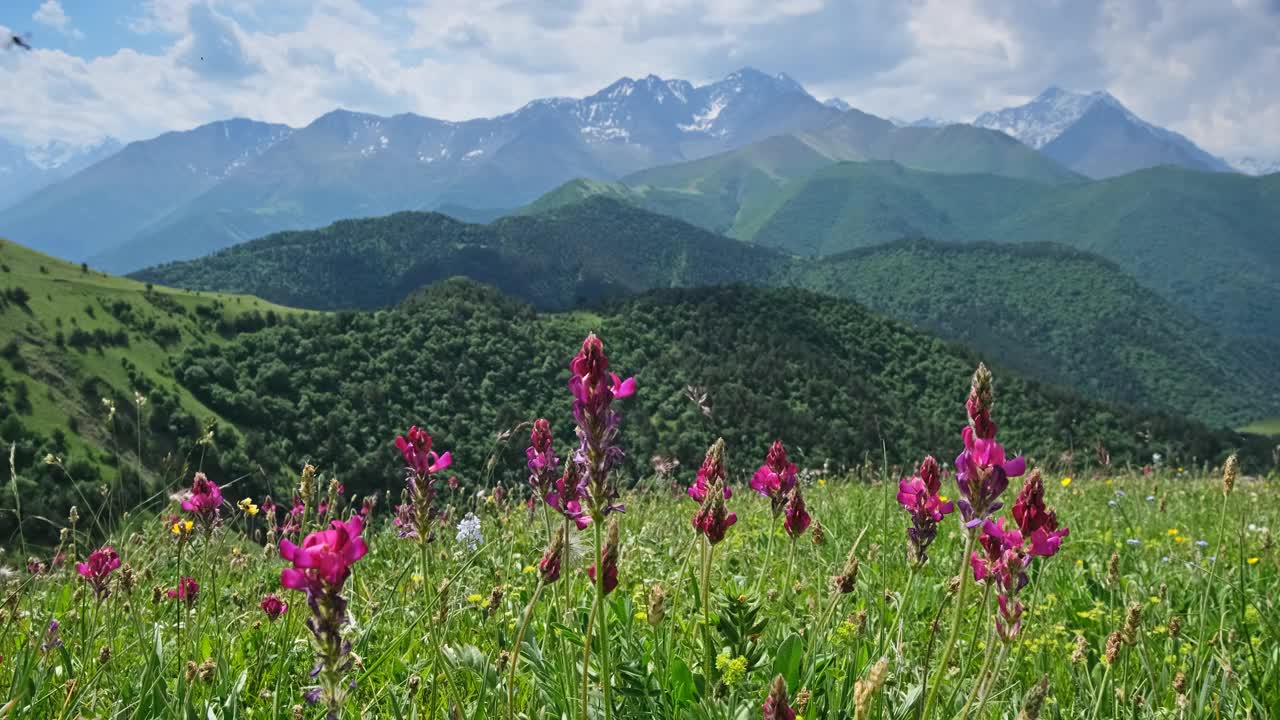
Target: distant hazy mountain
<point>837,103</point>
<point>1095,135</point>
<point>23,171</point>
<point>347,164</point>
<point>1250,165</point>
<point>110,202</point>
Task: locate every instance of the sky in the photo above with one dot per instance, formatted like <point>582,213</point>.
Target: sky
<point>131,69</point>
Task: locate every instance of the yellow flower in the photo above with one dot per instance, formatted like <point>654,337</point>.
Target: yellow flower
<point>642,616</point>
<point>248,507</point>
<point>1173,531</point>
<point>1178,538</point>
<point>942,498</point>
<point>1079,563</point>
<point>1253,561</point>
<point>475,598</point>
<point>417,579</point>
<point>1154,600</point>
<point>822,482</point>
<point>1109,481</point>
<point>182,527</point>
<point>529,570</point>
<point>1066,481</point>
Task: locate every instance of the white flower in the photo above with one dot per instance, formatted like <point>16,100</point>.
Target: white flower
<point>469,532</point>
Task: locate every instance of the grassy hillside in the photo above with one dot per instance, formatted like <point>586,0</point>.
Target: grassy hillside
<point>71,336</point>
<point>1059,315</point>
<point>825,375</point>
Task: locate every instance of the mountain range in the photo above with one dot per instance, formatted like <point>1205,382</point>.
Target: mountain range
<point>1029,307</point>
<point>185,194</point>
<point>26,170</point>
<point>1095,135</point>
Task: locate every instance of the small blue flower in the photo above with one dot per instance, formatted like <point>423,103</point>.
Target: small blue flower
<point>1134,541</point>
<point>1202,543</point>
<point>1151,498</point>
<point>1165,558</point>
<point>1119,493</point>
<point>1112,503</point>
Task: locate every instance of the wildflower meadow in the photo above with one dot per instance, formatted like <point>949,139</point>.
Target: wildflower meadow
<point>969,584</point>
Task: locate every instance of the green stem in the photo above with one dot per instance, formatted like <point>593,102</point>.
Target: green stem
<point>515,653</point>
<point>791,561</point>
<point>985,695</point>
<point>903,607</point>
<point>768,557</point>
<point>982,673</point>
<point>606,676</point>
<point>586,656</point>
<point>708,652</point>
<point>955,627</point>
<point>1102,686</point>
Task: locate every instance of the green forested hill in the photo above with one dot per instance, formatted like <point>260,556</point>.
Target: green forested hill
<point>1060,315</point>
<point>828,377</point>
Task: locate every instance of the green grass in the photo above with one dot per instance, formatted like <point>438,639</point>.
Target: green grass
<point>1270,426</point>
<point>422,652</point>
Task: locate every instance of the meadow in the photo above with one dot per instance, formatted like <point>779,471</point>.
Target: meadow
<point>746,587</point>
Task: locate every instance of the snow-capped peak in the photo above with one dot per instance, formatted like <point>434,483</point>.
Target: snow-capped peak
<point>1253,165</point>
<point>1046,117</point>
<point>837,103</point>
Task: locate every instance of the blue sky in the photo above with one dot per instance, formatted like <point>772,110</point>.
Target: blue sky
<point>134,68</point>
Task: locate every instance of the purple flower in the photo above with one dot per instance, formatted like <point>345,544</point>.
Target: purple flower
<point>608,560</point>
<point>1003,559</point>
<point>1037,523</point>
<point>97,568</point>
<point>796,518</point>
<point>982,470</point>
<point>566,498</point>
<point>417,453</point>
<point>187,591</point>
<point>776,706</point>
<point>918,495</point>
<point>594,389</point>
<point>776,477</point>
<point>713,518</point>
<point>542,460</point>
<point>274,607</point>
<point>711,472</point>
<point>205,500</point>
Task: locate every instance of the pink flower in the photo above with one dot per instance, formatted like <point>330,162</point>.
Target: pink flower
<point>98,567</point>
<point>711,471</point>
<point>1003,560</point>
<point>187,591</point>
<point>776,477</point>
<point>594,389</point>
<point>566,498</point>
<point>274,607</point>
<point>418,456</point>
<point>324,561</point>
<point>541,458</point>
<point>205,500</point>
<point>796,517</point>
<point>918,495</point>
<point>776,705</point>
<point>1038,523</point>
<point>608,559</point>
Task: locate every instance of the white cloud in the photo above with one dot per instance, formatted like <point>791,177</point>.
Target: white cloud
<point>1206,69</point>
<point>51,13</point>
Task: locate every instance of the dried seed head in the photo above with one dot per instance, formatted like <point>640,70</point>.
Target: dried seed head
<point>1175,626</point>
<point>1035,700</point>
<point>818,535</point>
<point>1081,653</point>
<point>208,671</point>
<point>297,712</point>
<point>802,700</point>
<point>191,671</point>
<point>104,655</point>
<point>1229,472</point>
<point>848,579</point>
<point>657,605</point>
<point>865,690</point>
<point>1113,648</point>
<point>504,657</point>
<point>414,683</point>
<point>1132,621</point>
<point>1113,569</point>
<point>1179,682</point>
<point>1164,503</point>
<point>953,585</point>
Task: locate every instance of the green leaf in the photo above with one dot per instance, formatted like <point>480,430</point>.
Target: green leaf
<point>786,662</point>
<point>680,681</point>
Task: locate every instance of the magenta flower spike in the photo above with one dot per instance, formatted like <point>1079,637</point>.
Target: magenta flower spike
<point>919,496</point>
<point>97,569</point>
<point>594,389</point>
<point>415,447</point>
<point>187,591</point>
<point>566,498</point>
<point>982,470</point>
<point>274,607</point>
<point>205,500</point>
<point>711,472</point>
<point>542,461</point>
<point>1038,523</point>
<point>796,518</point>
<point>320,568</point>
<point>776,705</point>
<point>775,478</point>
<point>608,560</point>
